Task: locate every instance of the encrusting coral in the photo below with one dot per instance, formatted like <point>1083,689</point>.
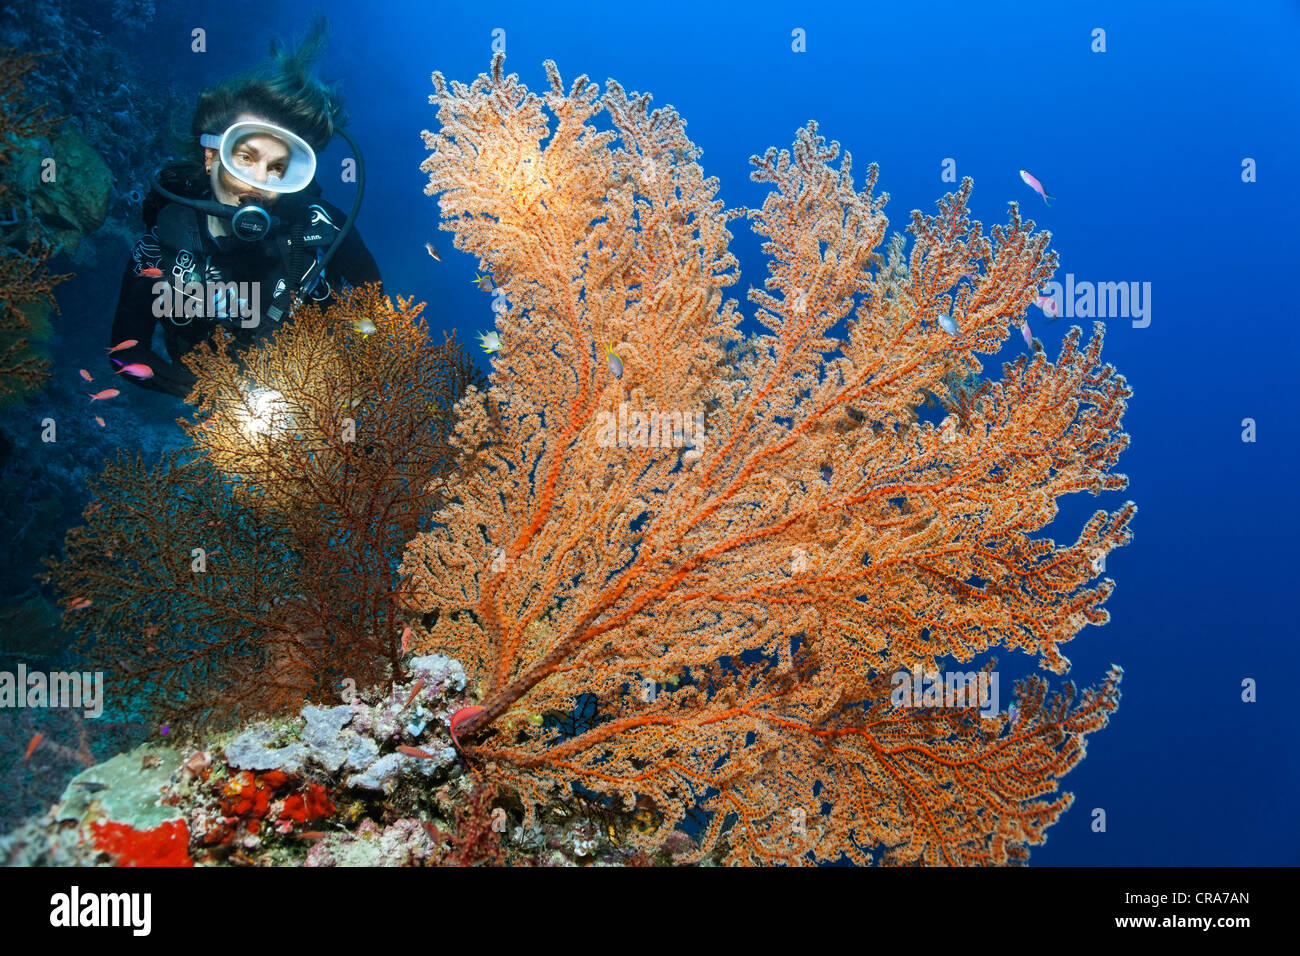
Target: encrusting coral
<point>257,570</point>
<point>731,602</point>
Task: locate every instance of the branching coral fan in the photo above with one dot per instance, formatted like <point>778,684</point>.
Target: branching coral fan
<point>257,570</point>
<point>25,284</point>
<point>734,601</point>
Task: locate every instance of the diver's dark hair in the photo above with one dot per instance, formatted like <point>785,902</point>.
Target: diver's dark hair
<point>283,92</point>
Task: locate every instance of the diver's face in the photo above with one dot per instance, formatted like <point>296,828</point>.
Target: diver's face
<point>258,157</point>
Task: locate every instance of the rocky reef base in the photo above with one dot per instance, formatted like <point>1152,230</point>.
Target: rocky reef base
<point>373,782</point>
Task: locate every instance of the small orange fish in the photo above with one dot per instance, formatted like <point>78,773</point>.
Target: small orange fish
<point>80,604</point>
<point>86,375</point>
<point>150,273</point>
<point>106,393</point>
<point>416,752</point>
<point>313,835</point>
<point>461,717</point>
<point>124,344</point>
<point>31,747</point>
<point>419,686</point>
<point>100,421</point>
<point>428,247</point>
<point>406,637</point>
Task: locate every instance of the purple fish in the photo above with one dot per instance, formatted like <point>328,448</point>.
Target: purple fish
<point>1036,186</point>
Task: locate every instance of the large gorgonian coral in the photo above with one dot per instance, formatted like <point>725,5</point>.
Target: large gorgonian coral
<point>257,570</point>
<point>732,603</point>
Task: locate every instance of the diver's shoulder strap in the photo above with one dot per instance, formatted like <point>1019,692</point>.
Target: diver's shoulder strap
<point>178,228</point>
<point>183,178</point>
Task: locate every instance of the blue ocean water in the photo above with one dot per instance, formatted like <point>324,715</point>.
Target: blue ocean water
<point>1141,145</point>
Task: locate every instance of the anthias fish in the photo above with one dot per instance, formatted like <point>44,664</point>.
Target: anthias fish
<point>1036,186</point>
<point>416,752</point>
<point>138,369</point>
<point>460,718</point>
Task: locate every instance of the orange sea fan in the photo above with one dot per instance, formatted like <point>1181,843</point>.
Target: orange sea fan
<point>728,604</point>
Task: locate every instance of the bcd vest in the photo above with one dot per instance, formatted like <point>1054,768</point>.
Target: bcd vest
<point>250,287</point>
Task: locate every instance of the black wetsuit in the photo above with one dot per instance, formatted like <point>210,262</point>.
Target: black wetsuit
<point>179,245</point>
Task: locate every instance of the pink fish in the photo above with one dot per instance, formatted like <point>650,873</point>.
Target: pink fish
<point>125,344</point>
<point>416,752</point>
<point>460,718</point>
<point>86,375</point>
<point>406,637</point>
<point>138,369</point>
<point>106,393</point>
<point>1036,186</point>
<point>1049,306</point>
<point>150,273</point>
<point>79,604</point>
<point>100,421</point>
<point>1029,339</point>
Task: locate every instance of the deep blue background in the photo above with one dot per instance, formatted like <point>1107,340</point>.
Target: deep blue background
<point>1142,146</point>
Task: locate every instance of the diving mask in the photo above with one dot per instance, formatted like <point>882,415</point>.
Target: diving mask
<point>238,158</point>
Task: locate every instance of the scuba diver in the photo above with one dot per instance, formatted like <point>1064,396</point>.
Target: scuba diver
<point>242,237</point>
